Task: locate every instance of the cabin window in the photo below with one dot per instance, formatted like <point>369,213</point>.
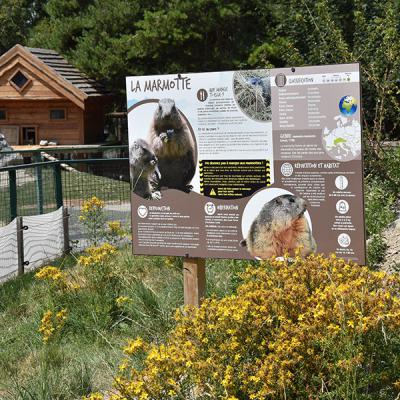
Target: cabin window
<point>57,114</point>
<point>19,80</point>
<point>3,115</point>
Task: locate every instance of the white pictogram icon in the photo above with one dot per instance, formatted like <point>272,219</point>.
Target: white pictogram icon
<point>210,208</point>
<point>344,240</point>
<point>142,211</point>
<point>341,182</point>
<point>342,207</point>
<point>286,169</point>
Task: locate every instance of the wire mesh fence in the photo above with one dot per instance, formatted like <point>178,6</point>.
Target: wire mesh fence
<point>42,187</point>
<point>60,177</point>
<point>34,189</point>
<point>26,191</point>
<point>108,180</point>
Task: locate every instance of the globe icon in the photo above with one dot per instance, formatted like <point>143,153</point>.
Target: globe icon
<point>347,105</point>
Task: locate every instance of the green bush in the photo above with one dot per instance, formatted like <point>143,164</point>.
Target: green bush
<point>376,250</point>
<point>315,328</point>
<point>380,204</point>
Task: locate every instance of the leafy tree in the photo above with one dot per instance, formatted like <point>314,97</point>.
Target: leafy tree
<point>17,17</point>
<point>109,40</point>
<point>330,32</point>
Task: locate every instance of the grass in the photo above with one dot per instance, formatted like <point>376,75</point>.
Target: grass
<point>77,186</point>
<point>84,358</point>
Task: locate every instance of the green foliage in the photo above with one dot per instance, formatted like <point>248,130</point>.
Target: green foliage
<point>379,206</point>
<point>376,250</point>
<point>330,32</point>
<point>110,40</point>
<point>16,19</point>
<point>86,353</point>
<point>381,202</point>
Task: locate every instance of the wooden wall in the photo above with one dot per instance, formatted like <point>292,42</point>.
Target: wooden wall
<point>36,113</point>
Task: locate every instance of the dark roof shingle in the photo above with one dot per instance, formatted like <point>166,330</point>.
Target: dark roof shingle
<point>67,71</point>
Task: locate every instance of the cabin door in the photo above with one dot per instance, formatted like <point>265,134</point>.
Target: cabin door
<point>11,133</point>
<point>29,135</point>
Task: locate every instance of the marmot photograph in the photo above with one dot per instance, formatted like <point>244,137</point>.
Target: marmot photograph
<point>279,228</point>
<point>252,91</point>
<point>163,151</point>
<point>144,171</point>
<point>174,145</point>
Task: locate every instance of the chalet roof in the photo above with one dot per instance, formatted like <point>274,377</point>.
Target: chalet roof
<point>67,71</point>
<point>55,71</point>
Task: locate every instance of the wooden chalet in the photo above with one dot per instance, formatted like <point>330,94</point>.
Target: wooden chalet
<point>43,97</point>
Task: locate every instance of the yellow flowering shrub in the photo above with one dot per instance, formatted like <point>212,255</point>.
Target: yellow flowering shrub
<point>121,300</point>
<point>93,220</point>
<point>115,228</point>
<point>57,278</point>
<point>97,254</point>
<point>91,207</point>
<point>315,328</point>
<point>50,273</point>
<point>51,324</point>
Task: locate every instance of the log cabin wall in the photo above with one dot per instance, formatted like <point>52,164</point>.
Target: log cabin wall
<point>36,113</point>
<point>35,81</point>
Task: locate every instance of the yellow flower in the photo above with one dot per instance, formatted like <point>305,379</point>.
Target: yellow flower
<point>286,316</point>
<point>50,273</point>
<point>116,229</point>
<point>51,324</point>
<point>133,346</point>
<point>97,255</point>
<point>122,300</point>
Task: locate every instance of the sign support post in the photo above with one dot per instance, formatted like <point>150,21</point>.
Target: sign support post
<point>194,280</point>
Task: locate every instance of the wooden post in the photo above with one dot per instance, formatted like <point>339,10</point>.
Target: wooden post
<point>20,246</point>
<point>194,280</point>
<point>65,221</point>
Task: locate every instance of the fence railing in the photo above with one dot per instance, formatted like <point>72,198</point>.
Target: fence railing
<point>30,192</point>
<point>71,152</point>
<point>34,189</point>
<point>28,242</point>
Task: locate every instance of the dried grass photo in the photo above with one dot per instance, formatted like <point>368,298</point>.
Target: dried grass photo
<point>252,91</point>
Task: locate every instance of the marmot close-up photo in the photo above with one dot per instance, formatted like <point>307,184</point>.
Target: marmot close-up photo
<point>280,228</point>
<point>174,147</point>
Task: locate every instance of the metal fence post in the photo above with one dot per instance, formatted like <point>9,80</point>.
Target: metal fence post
<point>58,185</point>
<point>37,158</point>
<point>20,246</point>
<point>65,220</point>
<point>12,179</point>
<point>39,189</point>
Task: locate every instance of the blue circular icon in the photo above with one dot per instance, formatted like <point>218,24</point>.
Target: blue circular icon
<point>348,105</point>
